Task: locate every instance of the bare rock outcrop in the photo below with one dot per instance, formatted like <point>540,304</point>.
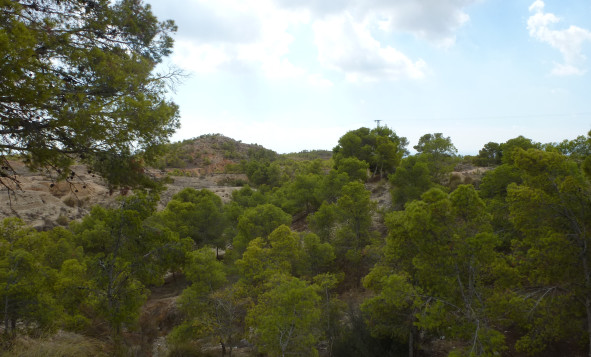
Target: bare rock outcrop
<point>44,203</point>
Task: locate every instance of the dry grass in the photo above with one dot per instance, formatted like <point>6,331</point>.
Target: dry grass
<point>62,344</point>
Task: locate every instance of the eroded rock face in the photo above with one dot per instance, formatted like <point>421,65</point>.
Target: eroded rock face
<point>44,203</point>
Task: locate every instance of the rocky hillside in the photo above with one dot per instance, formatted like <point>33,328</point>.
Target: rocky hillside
<point>210,161</point>
<point>203,162</point>
<point>211,153</point>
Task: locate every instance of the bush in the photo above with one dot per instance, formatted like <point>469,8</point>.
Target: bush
<point>187,350</point>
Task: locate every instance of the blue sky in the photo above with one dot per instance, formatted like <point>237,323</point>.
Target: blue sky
<point>296,75</point>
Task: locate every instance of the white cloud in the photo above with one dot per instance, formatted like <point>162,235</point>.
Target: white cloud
<point>349,47</point>
<point>236,35</point>
<point>568,41</point>
<point>537,6</point>
<point>257,36</point>
<point>316,80</point>
<point>346,33</point>
<point>433,20</point>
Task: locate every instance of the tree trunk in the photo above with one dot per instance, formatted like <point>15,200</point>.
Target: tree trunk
<point>411,343</point>
<point>223,348</point>
<point>6,314</point>
<point>411,339</point>
<point>587,286</point>
<point>588,311</point>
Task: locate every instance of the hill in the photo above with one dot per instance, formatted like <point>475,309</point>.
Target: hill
<point>210,153</point>
<point>209,161</point>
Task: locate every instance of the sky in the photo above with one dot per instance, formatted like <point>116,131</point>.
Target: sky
<point>295,75</point>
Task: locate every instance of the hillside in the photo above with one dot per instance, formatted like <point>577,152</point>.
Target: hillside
<point>210,153</point>
<point>199,163</point>
<point>216,163</point>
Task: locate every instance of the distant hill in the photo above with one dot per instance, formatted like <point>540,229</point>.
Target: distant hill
<point>216,153</point>
<point>309,155</point>
<point>210,153</point>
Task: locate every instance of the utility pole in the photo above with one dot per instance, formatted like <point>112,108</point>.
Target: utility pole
<point>378,122</point>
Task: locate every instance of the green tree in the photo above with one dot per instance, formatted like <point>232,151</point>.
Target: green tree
<point>435,144</point>
<point>279,253</point>
<point>354,232</point>
<point>509,147</point>
<point>263,173</point>
<point>410,180</point>
<point>228,313</point>
<point>210,308</point>
<point>330,187</point>
<point>283,252</point>
<point>439,255</point>
<point>258,221</point>
<point>323,221</point>
<point>286,317</point>
<point>26,284</point>
<point>197,214</point>
<point>356,169</point>
<point>381,148</point>
<point>300,194</point>
<point>439,153</point>
<point>318,257</point>
<point>550,208</point>
<point>123,255</point>
<point>391,312</point>
<point>79,84</point>
<point>354,209</point>
<point>578,149</point>
<point>489,155</point>
<point>331,306</point>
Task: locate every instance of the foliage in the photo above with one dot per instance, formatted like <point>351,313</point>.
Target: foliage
<point>209,308</point>
<point>354,168</point>
<point>439,255</point>
<point>577,150</point>
<point>79,84</point>
<point>284,252</point>
<point>439,154</point>
<point>509,148</point>
<point>300,194</point>
<point>435,144</point>
<point>263,173</point>
<point>495,270</point>
<point>346,224</point>
<point>381,148</point>
<point>286,317</point>
<point>123,255</point>
<point>355,339</point>
<point>198,215</point>
<point>411,179</point>
<point>489,155</point>
<point>550,209</point>
<point>26,284</point>
<point>258,221</point>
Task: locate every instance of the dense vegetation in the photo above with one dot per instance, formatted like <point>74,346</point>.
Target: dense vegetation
<point>301,261</point>
<point>490,267</point>
<point>78,84</point>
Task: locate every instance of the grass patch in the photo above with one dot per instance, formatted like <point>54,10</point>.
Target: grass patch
<point>62,344</point>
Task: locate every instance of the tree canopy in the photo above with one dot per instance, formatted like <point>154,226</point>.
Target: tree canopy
<point>77,82</point>
<point>381,148</point>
